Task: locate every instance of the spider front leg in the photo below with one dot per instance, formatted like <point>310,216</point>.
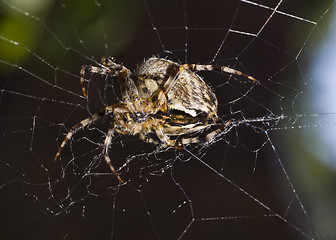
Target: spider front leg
<point>107,141</point>
<point>83,124</point>
<point>92,69</point>
<point>200,67</point>
<point>108,68</point>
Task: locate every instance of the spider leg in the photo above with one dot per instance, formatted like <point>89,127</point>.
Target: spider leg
<point>178,143</point>
<point>200,67</point>
<point>214,133</point>
<point>108,67</point>
<point>106,150</point>
<point>163,137</point>
<point>83,124</point>
<point>92,69</point>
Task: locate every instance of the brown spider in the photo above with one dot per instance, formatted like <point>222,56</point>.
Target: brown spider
<point>162,102</point>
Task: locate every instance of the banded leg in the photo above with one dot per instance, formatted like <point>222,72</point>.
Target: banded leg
<point>178,143</point>
<point>106,150</point>
<point>199,67</point>
<point>108,67</point>
<point>92,69</point>
<point>82,125</point>
<point>164,138</point>
<point>193,140</point>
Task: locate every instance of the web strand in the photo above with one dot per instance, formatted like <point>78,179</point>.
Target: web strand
<point>216,186</point>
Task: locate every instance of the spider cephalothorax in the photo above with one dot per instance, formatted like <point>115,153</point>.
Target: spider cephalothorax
<point>163,102</point>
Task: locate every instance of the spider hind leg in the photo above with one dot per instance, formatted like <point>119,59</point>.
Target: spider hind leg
<point>180,142</point>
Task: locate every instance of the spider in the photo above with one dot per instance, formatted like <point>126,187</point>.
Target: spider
<point>162,102</point>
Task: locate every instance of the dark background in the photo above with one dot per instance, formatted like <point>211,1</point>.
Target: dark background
<point>244,195</point>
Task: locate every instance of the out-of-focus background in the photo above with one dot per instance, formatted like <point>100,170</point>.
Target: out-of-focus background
<point>271,176</point>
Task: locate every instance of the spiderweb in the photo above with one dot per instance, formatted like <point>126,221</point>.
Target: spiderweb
<point>260,179</point>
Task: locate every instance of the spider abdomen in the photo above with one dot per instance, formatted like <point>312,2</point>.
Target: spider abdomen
<point>183,89</point>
